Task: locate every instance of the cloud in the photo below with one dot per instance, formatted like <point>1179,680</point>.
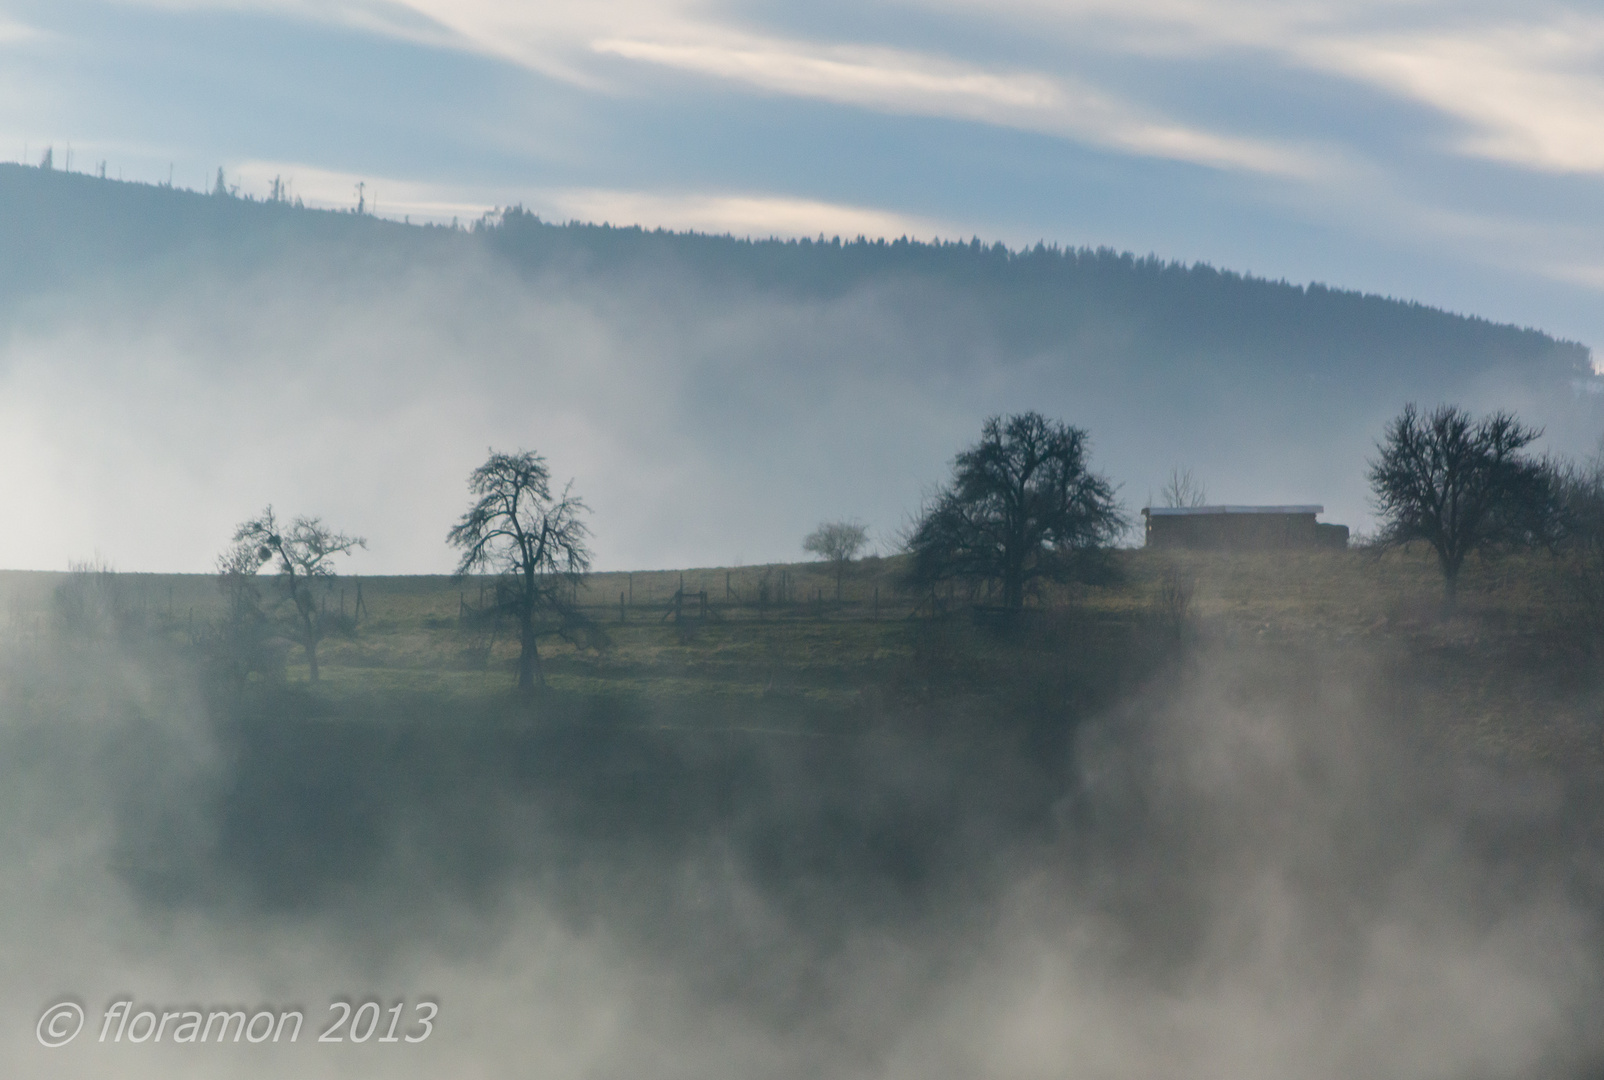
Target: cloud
<point>1532,93</point>
<point>897,81</point>
<point>1529,86</point>
<point>547,37</point>
<point>740,215</point>
<point>12,33</point>
<point>564,41</point>
<point>391,197</point>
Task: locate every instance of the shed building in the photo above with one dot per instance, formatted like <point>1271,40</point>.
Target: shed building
<point>1241,528</point>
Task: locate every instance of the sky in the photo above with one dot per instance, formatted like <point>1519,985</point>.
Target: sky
<point>1446,152</point>
<point>1451,154</point>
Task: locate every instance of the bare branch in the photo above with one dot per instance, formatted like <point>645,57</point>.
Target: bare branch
<point>535,542</point>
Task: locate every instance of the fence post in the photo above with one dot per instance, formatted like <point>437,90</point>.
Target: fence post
<point>623,612</point>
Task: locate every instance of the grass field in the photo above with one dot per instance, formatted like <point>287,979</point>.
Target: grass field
<point>1510,673</point>
<point>1269,786</point>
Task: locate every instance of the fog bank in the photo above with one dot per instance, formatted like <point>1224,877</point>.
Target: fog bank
<point>1248,868</point>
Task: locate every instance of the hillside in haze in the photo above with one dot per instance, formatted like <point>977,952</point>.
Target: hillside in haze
<point>1051,299</point>
<point>63,226</point>
<point>712,397</point>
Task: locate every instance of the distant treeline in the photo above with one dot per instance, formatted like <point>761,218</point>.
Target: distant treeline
<point>57,226</point>
<point>1038,295</point>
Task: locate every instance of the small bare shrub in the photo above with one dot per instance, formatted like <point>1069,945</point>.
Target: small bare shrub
<point>89,604</point>
<point>1172,605</point>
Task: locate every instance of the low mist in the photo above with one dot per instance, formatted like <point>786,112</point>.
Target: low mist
<point>1245,863</point>
<point>818,821</point>
<point>712,401</point>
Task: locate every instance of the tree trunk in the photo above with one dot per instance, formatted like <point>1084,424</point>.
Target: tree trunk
<point>310,642</point>
<point>1450,586</point>
<point>1013,588</point>
<point>529,673</point>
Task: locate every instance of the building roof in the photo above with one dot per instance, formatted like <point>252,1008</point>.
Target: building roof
<point>1178,511</point>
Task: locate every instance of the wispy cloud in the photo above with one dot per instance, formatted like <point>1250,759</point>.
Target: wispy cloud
<point>391,197</point>
<point>854,75</point>
<point>918,84</point>
<point>399,19</point>
<point>740,215</point>
<point>1532,93</point>
<point>564,40</point>
<point>12,33</point>
<point>1528,83</point>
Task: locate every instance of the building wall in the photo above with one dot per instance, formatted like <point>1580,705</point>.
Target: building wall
<point>1242,532</point>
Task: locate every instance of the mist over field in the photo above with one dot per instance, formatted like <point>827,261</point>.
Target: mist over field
<point>712,399</point>
<point>1320,826</point>
<point>827,711</point>
<point>1246,863</point>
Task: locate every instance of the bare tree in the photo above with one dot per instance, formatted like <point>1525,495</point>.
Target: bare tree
<point>90,602</point>
<point>1578,493</point>
<point>1182,489</point>
<point>1173,603</point>
<point>533,541</point>
<point>242,641</point>
<point>301,555</point>
<point>838,543</point>
<point>1022,505</point>
<point>1460,485</point>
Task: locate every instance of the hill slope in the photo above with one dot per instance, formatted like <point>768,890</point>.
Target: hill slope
<point>713,397</point>
<point>59,226</point>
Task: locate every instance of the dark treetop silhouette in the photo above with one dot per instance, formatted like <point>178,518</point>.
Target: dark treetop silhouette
<point>1021,506</point>
<point>302,554</point>
<point>1459,484</point>
<point>534,541</point>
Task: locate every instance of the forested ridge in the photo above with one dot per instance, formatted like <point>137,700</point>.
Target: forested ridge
<point>58,228</point>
